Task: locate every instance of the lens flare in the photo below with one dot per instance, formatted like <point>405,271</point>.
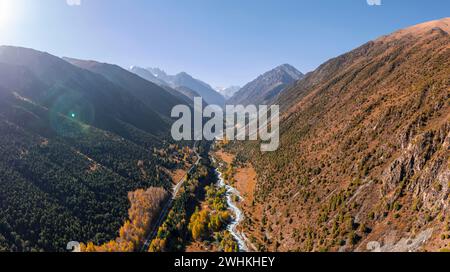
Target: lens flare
<point>68,107</point>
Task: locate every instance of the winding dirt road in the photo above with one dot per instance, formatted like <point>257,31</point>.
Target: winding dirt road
<point>165,210</point>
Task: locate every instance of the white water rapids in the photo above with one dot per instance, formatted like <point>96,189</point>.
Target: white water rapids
<point>232,227</point>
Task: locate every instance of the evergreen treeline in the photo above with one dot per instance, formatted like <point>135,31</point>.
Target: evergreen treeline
<point>62,181</point>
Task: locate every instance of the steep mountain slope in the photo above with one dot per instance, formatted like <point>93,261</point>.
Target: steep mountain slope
<point>364,155</point>
<point>266,88</point>
<point>73,146</point>
<point>64,88</point>
<point>184,80</point>
<point>153,96</point>
<point>56,188</point>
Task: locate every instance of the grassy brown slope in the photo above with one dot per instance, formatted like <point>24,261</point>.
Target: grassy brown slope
<point>364,150</point>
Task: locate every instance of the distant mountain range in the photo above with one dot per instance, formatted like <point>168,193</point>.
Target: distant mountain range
<point>182,82</point>
<point>159,98</point>
<point>110,92</point>
<point>363,162</point>
<point>266,88</point>
<point>146,74</point>
<point>263,90</point>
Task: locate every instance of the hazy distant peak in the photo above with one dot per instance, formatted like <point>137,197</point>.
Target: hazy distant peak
<point>184,79</point>
<point>148,75</point>
<point>228,92</point>
<point>157,72</point>
<point>290,70</point>
<point>184,75</point>
<point>266,88</point>
<point>220,89</point>
<point>286,66</point>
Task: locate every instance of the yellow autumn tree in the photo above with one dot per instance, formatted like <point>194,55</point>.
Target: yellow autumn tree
<point>198,224</point>
<point>145,205</point>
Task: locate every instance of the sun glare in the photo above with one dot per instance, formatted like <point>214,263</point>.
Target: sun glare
<point>6,12</point>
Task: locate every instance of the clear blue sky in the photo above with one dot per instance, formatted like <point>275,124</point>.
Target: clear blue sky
<point>223,42</point>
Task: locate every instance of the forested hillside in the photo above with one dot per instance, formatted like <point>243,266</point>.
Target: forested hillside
<point>364,153</point>
<point>159,99</point>
<point>73,146</point>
